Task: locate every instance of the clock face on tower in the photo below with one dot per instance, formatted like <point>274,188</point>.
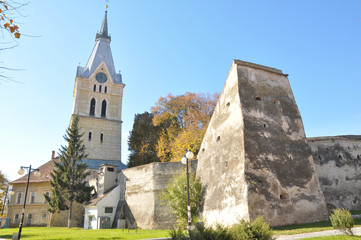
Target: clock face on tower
<point>101,77</point>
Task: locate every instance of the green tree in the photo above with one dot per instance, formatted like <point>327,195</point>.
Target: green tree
<point>175,197</point>
<point>142,141</point>
<point>4,183</point>
<point>68,177</point>
<point>182,122</point>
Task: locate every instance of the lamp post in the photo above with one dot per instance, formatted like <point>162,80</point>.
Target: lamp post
<point>21,172</point>
<point>4,202</point>
<point>187,156</point>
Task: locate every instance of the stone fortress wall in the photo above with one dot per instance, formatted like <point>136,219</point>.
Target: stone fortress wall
<point>337,160</point>
<point>142,185</point>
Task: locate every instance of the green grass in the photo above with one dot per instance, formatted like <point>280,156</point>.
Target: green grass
<point>307,227</point>
<point>80,233</point>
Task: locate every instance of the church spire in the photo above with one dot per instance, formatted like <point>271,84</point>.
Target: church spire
<point>104,29</point>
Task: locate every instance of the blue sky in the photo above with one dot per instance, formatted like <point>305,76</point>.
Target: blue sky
<point>173,47</point>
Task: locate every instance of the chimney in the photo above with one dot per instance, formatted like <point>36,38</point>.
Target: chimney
<point>52,154</point>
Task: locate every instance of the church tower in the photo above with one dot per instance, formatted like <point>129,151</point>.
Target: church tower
<point>98,93</point>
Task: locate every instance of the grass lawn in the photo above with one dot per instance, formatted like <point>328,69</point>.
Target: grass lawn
<point>80,233</point>
<point>308,227</point>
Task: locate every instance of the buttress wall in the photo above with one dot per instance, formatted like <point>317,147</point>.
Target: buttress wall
<point>254,159</point>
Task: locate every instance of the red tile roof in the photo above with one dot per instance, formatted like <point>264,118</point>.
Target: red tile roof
<point>45,174</point>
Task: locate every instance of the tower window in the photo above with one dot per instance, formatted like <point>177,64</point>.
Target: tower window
<point>92,107</point>
<point>100,88</point>
<point>101,137</point>
<point>105,89</point>
<point>95,88</point>
<point>90,136</point>
<point>104,108</point>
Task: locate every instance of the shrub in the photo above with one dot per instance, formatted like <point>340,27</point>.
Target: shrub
<point>245,230</point>
<point>203,233</point>
<point>341,219</point>
<point>175,197</point>
<point>177,234</point>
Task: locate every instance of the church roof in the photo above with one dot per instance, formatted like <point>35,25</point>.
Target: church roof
<point>95,163</point>
<point>101,52</point>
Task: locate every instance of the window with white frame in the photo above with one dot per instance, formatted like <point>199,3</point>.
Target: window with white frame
<point>16,218</point>
<point>32,197</point>
<point>18,199</point>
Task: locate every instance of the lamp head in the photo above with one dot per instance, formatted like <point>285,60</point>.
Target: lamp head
<point>189,155</point>
<point>184,160</point>
<point>37,173</point>
<point>21,171</point>
<point>11,193</point>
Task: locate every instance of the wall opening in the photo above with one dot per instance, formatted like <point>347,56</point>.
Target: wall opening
<point>90,136</point>
<point>228,104</point>
<point>95,88</point>
<point>258,98</point>
<point>358,157</point>
<point>101,137</point>
<point>104,108</point>
<point>105,89</point>
<point>92,107</point>
<point>319,157</point>
<point>218,138</point>
<point>264,125</point>
<point>100,88</point>
<point>340,157</point>
<point>284,196</point>
<point>110,169</point>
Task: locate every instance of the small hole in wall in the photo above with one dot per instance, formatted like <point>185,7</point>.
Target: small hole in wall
<point>348,148</point>
<point>291,158</point>
<point>226,164</point>
<point>319,157</point>
<point>358,157</point>
<point>228,104</point>
<point>218,138</point>
<point>264,125</point>
<point>202,149</point>
<point>340,157</point>
<point>258,98</point>
<point>284,196</point>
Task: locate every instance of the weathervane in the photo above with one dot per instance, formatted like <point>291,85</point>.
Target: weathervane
<point>106,5</point>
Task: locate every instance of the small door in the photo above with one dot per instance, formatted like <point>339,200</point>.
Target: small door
<point>104,222</point>
<point>90,219</point>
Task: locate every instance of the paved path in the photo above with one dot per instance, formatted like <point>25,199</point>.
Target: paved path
<point>356,231</point>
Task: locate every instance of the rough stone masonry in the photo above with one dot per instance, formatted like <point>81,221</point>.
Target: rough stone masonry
<point>254,159</point>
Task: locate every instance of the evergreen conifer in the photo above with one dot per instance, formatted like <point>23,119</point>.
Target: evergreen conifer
<point>68,177</point>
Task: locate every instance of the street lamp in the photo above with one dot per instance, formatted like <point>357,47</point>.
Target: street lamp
<point>21,172</point>
<point>187,156</point>
<point>4,202</point>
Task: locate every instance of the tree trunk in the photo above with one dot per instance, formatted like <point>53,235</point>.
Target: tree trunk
<point>49,221</point>
<point>70,213</point>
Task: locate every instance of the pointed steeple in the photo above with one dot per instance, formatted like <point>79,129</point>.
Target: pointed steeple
<point>104,29</point>
<point>101,52</point>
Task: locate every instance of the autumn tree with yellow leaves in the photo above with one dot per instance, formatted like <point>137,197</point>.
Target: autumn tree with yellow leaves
<point>183,121</point>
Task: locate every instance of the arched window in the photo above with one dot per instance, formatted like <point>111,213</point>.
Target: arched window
<point>104,108</point>
<point>92,107</point>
